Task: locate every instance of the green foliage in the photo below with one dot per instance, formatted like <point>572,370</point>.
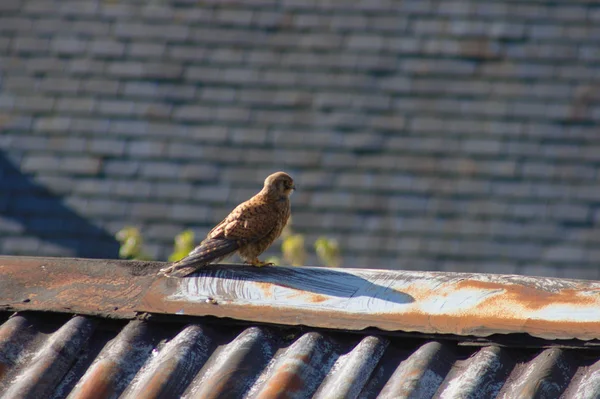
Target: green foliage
<point>328,251</point>
<point>184,243</point>
<point>132,244</point>
<point>293,248</point>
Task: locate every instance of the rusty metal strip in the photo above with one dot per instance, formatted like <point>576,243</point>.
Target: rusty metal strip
<point>354,299</point>
<point>109,288</point>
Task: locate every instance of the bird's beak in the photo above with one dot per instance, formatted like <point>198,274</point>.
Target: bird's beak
<point>294,187</point>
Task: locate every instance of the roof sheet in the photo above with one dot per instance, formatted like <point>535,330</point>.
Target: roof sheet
<point>353,299</point>
<point>98,328</point>
<point>56,356</point>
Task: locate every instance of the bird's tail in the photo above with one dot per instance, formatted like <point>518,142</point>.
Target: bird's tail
<point>210,250</point>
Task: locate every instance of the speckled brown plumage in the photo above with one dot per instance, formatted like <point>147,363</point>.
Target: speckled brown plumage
<point>248,230</point>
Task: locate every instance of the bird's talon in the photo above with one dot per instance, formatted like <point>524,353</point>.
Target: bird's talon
<point>258,263</point>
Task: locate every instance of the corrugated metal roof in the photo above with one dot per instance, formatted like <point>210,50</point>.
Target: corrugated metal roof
<point>100,329</point>
<point>49,355</point>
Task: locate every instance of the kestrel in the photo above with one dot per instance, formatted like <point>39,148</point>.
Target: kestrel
<point>248,230</point>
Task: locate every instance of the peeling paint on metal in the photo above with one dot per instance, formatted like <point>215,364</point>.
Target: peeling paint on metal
<point>480,376</point>
<point>351,371</point>
<point>425,302</point>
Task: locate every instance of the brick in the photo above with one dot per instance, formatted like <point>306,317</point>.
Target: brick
<point>237,114</point>
<point>141,89</point>
<point>246,136</point>
<point>67,144</point>
<point>176,191</point>
<point>157,12</point>
<point>194,113</point>
<point>55,84</point>
<point>34,163</point>
<point>146,149</point>
<point>218,94</point>
<point>563,254</point>
<point>322,41</point>
<point>29,142</point>
<point>348,22</point>
<point>104,47</point>
<point>116,107</point>
<point>237,17</point>
<point>100,86</point>
<point>86,66</point>
<point>126,69</point>
<point>10,5</point>
<point>365,42</point>
<point>34,103</point>
<point>152,110</point>
<point>217,194</point>
<point>149,210</point>
<point>129,127</point>
<point>131,69</point>
<point>93,187</point>
<point>482,146</point>
<point>188,213</point>
<point>20,83</point>
<point>104,207</point>
<point>16,123</point>
<point>89,29</point>
<point>11,226</point>
<point>118,10</point>
<point>162,231</point>
<point>177,92</point>
<point>52,124</point>
<point>187,53</point>
<point>6,101</point>
<point>75,105</point>
<point>22,44</point>
<point>159,170</point>
<point>110,147</point>
<point>80,165</point>
<point>20,245</point>
<point>89,125</point>
<point>199,172</point>
<point>77,8</point>
<point>68,45</point>
<point>131,188</point>
<point>147,50</point>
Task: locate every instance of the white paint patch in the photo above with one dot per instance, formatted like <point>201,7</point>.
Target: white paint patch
<point>561,312</point>
<point>366,297</point>
<point>455,302</point>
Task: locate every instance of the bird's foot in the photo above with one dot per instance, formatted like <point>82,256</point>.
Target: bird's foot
<point>258,263</point>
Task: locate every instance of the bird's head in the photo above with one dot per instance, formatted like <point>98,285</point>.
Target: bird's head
<point>279,184</point>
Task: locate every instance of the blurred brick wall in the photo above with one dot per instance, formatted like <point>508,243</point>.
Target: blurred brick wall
<point>439,135</point>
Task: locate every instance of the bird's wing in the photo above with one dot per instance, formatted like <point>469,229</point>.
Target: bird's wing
<point>249,221</point>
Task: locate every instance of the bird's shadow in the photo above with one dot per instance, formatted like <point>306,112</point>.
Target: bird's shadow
<point>323,281</point>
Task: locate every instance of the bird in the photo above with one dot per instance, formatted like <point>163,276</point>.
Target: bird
<point>248,230</point>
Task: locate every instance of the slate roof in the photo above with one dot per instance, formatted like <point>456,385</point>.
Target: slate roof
<point>110,329</point>
<point>455,135</point>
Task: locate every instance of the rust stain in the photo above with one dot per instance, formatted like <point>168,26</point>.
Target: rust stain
<point>530,297</point>
<point>317,298</point>
<point>287,378</point>
<point>99,383</point>
<point>3,369</point>
<point>281,384</point>
<point>265,288</point>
